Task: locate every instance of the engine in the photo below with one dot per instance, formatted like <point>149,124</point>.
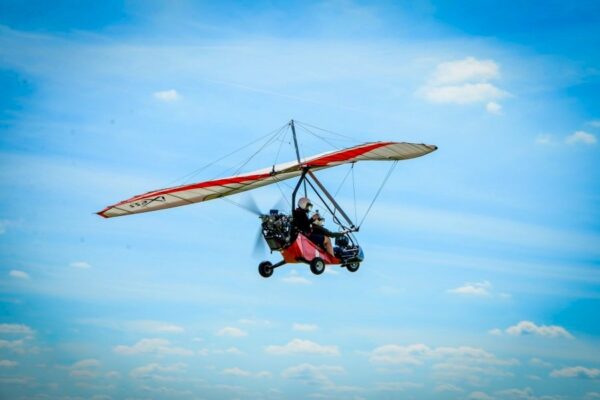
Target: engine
<point>277,229</point>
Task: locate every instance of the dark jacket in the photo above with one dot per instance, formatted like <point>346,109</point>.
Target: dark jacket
<point>301,221</point>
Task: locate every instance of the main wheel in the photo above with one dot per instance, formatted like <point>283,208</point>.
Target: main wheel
<point>352,267</point>
<point>317,266</point>
<point>265,269</point>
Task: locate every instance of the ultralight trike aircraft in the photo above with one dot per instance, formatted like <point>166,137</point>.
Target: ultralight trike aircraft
<point>277,228</point>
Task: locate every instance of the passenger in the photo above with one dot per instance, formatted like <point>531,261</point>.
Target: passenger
<point>320,235</point>
<point>300,215</point>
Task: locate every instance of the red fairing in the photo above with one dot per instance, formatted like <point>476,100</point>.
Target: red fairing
<point>303,250</point>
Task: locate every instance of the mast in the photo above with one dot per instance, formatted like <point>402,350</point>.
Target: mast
<point>298,158</point>
<point>295,141</point>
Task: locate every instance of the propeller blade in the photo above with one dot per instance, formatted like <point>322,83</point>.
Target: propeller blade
<point>259,245</point>
<point>281,205</point>
<point>250,205</point>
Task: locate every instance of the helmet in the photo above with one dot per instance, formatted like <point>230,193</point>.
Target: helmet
<point>304,203</point>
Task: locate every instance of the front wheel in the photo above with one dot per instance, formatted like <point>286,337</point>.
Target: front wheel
<point>317,266</point>
<point>265,269</point>
<point>353,267</point>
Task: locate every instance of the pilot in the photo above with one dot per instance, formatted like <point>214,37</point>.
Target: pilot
<point>300,215</point>
<point>320,235</point>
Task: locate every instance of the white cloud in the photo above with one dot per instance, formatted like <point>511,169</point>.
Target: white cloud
<point>473,289</point>
<point>112,375</point>
<point>8,363</point>
<point>594,123</point>
<point>83,373</point>
<point>493,108</point>
<point>85,368</point>
<point>462,363</point>
<point>295,278</point>
<point>167,95</point>
<point>469,69</point>
<point>312,374</point>
<point>581,137</point>
<point>304,327</point>
<point>446,387</point>
<point>263,374</point>
<point>254,321</point>
<point>154,327</point>
<point>395,354</point>
<point>523,394</point>
<point>232,332</point>
<point>15,273</point>
<point>576,372</point>
<point>16,380</point>
<point>153,346</point>
<point>231,350</point>
<point>464,82</point>
<point>479,396</point>
<point>150,370</point>
<point>16,329</point>
<point>495,332</point>
<point>539,363</point>
<point>145,326</point>
<point>529,328</point>
<point>544,139</point>
<point>396,386</point>
<point>87,363</point>
<point>235,371</point>
<point>299,346</point>
<point>463,94</point>
<point>80,264</point>
<point>14,345</point>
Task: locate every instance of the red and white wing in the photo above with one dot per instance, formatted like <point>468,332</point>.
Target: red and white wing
<point>208,190</point>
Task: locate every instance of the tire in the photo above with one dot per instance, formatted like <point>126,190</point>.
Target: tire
<point>265,269</point>
<point>353,267</point>
<point>317,266</point>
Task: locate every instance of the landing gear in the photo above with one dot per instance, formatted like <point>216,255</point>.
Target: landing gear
<point>265,269</point>
<point>317,266</point>
<point>352,267</point>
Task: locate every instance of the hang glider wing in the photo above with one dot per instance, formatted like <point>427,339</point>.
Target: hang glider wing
<point>208,190</point>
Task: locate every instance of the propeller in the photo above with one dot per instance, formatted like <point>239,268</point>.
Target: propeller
<point>249,204</point>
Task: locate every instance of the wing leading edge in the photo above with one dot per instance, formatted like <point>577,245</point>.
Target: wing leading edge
<point>208,190</point>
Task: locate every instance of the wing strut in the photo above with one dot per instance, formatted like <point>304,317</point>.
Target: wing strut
<point>330,197</point>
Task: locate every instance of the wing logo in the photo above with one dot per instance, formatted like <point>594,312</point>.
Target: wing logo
<point>146,202</point>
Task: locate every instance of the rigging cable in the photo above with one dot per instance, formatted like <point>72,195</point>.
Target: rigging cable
<point>330,132</point>
<point>319,137</point>
<point>197,171</point>
<point>378,191</point>
<point>268,142</point>
<point>354,192</point>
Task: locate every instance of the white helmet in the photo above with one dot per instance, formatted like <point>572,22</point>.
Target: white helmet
<point>304,203</point>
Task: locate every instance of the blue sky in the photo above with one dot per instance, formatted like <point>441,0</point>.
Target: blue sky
<point>481,275</point>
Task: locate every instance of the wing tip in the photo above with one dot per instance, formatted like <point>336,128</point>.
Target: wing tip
<point>101,213</point>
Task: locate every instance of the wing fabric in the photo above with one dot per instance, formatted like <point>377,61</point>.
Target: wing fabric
<point>208,190</point>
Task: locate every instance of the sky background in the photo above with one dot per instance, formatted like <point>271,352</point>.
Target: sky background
<point>481,279</point>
